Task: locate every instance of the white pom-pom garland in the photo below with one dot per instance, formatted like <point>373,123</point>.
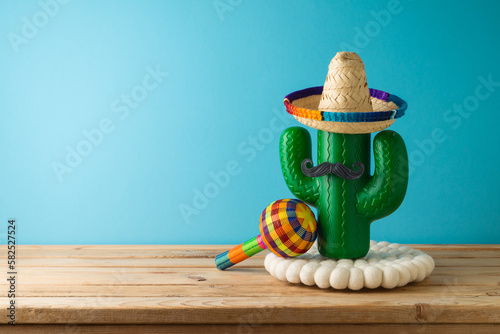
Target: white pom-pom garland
<point>386,265</point>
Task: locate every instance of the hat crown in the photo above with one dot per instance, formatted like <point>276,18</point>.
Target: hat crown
<point>346,89</point>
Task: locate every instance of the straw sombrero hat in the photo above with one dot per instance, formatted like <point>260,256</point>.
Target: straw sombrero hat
<point>345,104</point>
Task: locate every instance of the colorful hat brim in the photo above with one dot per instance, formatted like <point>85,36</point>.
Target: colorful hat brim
<point>348,117</point>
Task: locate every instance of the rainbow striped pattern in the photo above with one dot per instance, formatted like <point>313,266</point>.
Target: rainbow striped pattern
<point>239,253</point>
<point>288,227</point>
<point>349,117</point>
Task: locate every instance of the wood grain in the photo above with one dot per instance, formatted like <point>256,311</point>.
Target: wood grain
<point>257,328</point>
<point>202,262</point>
<point>177,288</point>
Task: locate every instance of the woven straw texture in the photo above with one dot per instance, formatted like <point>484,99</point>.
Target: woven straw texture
<point>386,265</point>
<point>346,90</point>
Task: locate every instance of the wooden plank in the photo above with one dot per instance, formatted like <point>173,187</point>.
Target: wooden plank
<point>198,280</point>
<point>110,253</point>
<point>467,262</point>
<point>128,247</point>
<point>195,253</point>
<point>470,280</point>
<point>189,275</point>
<point>457,271</point>
<point>256,328</point>
<point>166,262</point>
<point>204,279</point>
<point>460,247</point>
<point>118,253</point>
<point>461,254</point>
<point>265,310</point>
<point>174,262</point>
<point>249,290</point>
<point>179,285</point>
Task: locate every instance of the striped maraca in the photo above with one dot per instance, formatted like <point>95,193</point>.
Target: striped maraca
<point>288,228</point>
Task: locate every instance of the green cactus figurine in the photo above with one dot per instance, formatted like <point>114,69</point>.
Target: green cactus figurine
<point>346,206</point>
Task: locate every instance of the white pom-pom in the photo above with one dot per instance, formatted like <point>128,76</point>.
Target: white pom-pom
<point>293,271</point>
<point>390,277</point>
<point>307,256</point>
<point>404,274</point>
<point>427,260</point>
<point>356,279</point>
<point>412,269</point>
<point>339,278</point>
<point>386,265</point>
<point>373,277</point>
<point>344,265</point>
<point>274,263</point>
<point>433,264</point>
<point>281,268</point>
<point>329,263</point>
<point>422,270</point>
<point>360,263</point>
<point>386,250</point>
<point>322,276</point>
<point>317,257</point>
<point>307,273</point>
<point>267,262</point>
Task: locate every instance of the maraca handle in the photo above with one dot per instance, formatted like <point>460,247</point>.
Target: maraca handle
<point>239,253</point>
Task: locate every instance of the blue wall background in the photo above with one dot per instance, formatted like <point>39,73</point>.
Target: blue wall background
<point>229,65</point>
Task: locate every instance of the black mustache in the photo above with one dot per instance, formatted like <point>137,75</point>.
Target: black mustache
<point>337,169</point>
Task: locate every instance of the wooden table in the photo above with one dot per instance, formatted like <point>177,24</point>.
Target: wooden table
<point>80,289</point>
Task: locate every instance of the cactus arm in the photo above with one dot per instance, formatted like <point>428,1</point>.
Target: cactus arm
<point>295,146</point>
<point>385,191</point>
